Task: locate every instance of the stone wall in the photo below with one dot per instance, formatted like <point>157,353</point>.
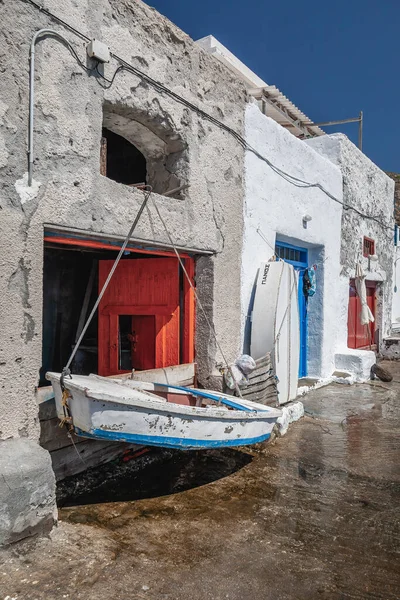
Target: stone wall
<point>396,179</point>
<point>72,193</point>
<point>369,191</point>
<point>68,190</point>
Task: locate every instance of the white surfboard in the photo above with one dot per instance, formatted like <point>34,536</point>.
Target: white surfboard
<point>275,324</point>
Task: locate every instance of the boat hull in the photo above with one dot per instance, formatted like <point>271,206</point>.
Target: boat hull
<point>111,411</point>
<point>275,325</point>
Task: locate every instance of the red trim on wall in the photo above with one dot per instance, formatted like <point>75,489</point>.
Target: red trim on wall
<point>87,243</point>
<point>189,313</point>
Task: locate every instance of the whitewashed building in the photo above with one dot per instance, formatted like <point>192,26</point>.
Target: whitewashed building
<point>317,200</point>
<point>182,121</point>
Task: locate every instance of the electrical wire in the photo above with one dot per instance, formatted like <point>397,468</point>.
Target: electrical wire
<point>125,66</point>
<point>72,50</point>
<point>108,81</point>
<point>58,20</point>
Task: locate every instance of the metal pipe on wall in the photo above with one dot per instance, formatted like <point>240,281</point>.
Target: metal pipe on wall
<point>35,38</point>
<point>358,120</point>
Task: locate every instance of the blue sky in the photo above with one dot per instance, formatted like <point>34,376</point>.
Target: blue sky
<point>332,59</point>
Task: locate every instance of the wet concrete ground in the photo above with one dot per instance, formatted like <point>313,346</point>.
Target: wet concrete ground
<point>314,515</point>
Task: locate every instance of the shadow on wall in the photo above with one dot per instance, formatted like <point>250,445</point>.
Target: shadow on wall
<point>316,323</point>
<point>247,325</point>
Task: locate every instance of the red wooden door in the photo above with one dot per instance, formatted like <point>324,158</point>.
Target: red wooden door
<point>360,336</point>
<point>139,315</point>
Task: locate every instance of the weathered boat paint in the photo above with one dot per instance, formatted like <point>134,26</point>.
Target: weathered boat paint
<point>126,411</point>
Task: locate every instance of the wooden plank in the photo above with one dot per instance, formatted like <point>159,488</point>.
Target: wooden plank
<point>246,392</point>
<point>263,361</point>
<point>90,453</point>
<point>265,377</point>
<point>54,437</point>
<point>64,454</point>
<point>189,311</point>
<point>173,375</point>
<point>262,383</point>
<point>86,300</point>
<point>43,394</point>
<point>262,399</point>
<point>266,392</point>
<point>103,156</point>
<point>264,371</point>
<point>259,387</point>
<point>136,309</point>
<point>47,410</point>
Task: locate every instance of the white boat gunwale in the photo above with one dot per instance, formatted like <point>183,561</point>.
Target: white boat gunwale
<point>154,402</point>
<point>105,409</point>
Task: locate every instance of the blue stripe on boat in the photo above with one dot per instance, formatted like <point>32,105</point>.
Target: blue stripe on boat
<point>214,397</point>
<point>168,442</point>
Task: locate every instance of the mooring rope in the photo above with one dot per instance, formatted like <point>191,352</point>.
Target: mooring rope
<point>66,370</point>
<point>209,323</point>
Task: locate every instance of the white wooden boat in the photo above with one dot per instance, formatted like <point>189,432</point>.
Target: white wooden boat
<point>275,324</point>
<point>161,414</point>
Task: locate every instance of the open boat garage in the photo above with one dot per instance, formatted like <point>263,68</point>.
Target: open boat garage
<point>145,320</point>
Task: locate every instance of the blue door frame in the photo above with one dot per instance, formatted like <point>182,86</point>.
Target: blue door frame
<point>298,257</point>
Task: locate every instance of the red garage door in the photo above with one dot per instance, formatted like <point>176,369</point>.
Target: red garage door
<point>360,336</point>
<point>140,324</point>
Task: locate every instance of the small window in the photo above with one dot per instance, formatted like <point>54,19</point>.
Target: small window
<point>368,247</point>
<point>290,254</point>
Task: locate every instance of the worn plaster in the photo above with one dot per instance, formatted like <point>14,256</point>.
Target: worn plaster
<point>69,116</point>
<point>371,192</point>
<point>71,107</point>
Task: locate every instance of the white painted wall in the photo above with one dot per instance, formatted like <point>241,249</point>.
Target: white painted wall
<point>396,291</point>
<point>275,207</point>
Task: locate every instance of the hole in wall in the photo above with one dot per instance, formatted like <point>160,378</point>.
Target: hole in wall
<point>121,161</point>
<point>136,148</point>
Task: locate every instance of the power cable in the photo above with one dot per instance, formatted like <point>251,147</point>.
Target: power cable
<point>125,66</point>
<point>72,50</point>
<point>58,20</point>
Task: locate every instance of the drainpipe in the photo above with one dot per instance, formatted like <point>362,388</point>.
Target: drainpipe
<point>32,92</point>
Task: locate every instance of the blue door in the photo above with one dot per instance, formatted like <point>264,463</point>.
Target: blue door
<point>298,257</point>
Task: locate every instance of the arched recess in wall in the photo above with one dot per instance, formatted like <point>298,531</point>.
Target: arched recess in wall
<point>157,154</point>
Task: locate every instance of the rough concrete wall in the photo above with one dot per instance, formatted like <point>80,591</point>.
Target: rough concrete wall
<point>68,121</point>
<point>370,191</point>
<point>276,207</point>
<point>396,179</point>
<point>396,263</point>
<point>27,491</point>
<point>396,290</point>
